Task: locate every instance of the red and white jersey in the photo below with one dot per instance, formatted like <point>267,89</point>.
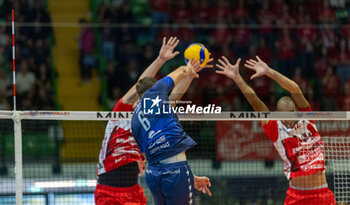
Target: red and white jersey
<point>119,146</point>
<point>300,147</point>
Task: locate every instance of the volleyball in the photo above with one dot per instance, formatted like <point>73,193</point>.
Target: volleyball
<point>197,52</point>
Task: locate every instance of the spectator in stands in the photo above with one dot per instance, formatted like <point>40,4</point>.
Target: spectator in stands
<point>321,62</point>
<point>299,13</point>
<point>41,52</point>
<point>202,12</point>
<point>326,15</point>
<point>343,62</point>
<point>132,72</point>
<point>126,54</point>
<point>221,34</point>
<point>307,39</point>
<point>240,12</point>
<point>331,89</point>
<point>285,21</point>
<point>264,52</point>
<point>221,11</point>
<point>160,14</point>
<point>44,99</point>
<point>25,79</point>
<point>43,74</point>
<point>160,11</point>
<point>186,33</point>
<point>303,83</point>
<point>104,13</point>
<point>114,97</point>
<point>345,100</point>
<point>3,57</point>
<point>108,44</point>
<point>266,19</point>
<point>242,39</point>
<point>203,16</point>
<point>286,53</point>
<point>38,14</point>
<point>280,9</point>
<point>328,37</point>
<point>4,37</point>
<point>86,47</point>
<point>4,81</point>
<point>181,12</point>
<point>125,34</point>
<point>124,15</point>
<point>4,104</point>
<point>112,74</point>
<point>222,100</point>
<point>147,55</point>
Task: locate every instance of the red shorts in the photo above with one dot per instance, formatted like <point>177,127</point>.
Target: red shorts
<point>322,196</point>
<point>107,195</point>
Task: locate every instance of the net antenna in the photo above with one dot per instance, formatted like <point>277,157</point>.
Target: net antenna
<point>13,61</point>
<point>17,125</point>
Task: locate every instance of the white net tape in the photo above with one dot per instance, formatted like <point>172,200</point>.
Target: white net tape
<point>223,116</point>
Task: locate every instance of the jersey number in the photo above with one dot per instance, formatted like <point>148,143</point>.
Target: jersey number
<point>144,121</point>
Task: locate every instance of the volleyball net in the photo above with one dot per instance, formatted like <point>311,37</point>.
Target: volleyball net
<point>50,157</point>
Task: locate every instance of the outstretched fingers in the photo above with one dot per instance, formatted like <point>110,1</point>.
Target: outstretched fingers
<point>226,60</point>
<point>222,62</point>
<point>173,41</point>
<point>238,62</point>
<point>220,72</point>
<point>250,64</point>
<point>176,42</point>
<point>221,67</point>
<point>196,66</point>
<point>175,54</point>
<point>257,57</point>
<point>209,65</point>
<point>206,189</point>
<point>164,41</point>
<point>254,76</point>
<point>170,41</point>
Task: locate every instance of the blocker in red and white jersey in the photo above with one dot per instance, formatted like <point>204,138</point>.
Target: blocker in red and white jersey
<point>300,147</point>
<point>119,146</point>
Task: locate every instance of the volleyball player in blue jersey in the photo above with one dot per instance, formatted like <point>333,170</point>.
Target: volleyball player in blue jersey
<point>162,139</point>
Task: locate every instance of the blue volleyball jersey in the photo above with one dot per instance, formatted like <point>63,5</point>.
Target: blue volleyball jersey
<point>155,126</point>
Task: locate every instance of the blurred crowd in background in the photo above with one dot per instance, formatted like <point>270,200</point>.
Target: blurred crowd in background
<point>34,83</point>
<point>307,40</point>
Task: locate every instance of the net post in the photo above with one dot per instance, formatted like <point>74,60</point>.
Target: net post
<point>18,157</point>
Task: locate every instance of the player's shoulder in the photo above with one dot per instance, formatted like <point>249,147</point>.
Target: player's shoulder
<point>269,123</point>
<point>121,106</point>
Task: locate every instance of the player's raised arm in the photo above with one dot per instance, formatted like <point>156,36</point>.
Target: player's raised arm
<point>190,70</point>
<point>232,71</point>
<point>166,53</point>
<point>261,68</point>
<point>181,88</point>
